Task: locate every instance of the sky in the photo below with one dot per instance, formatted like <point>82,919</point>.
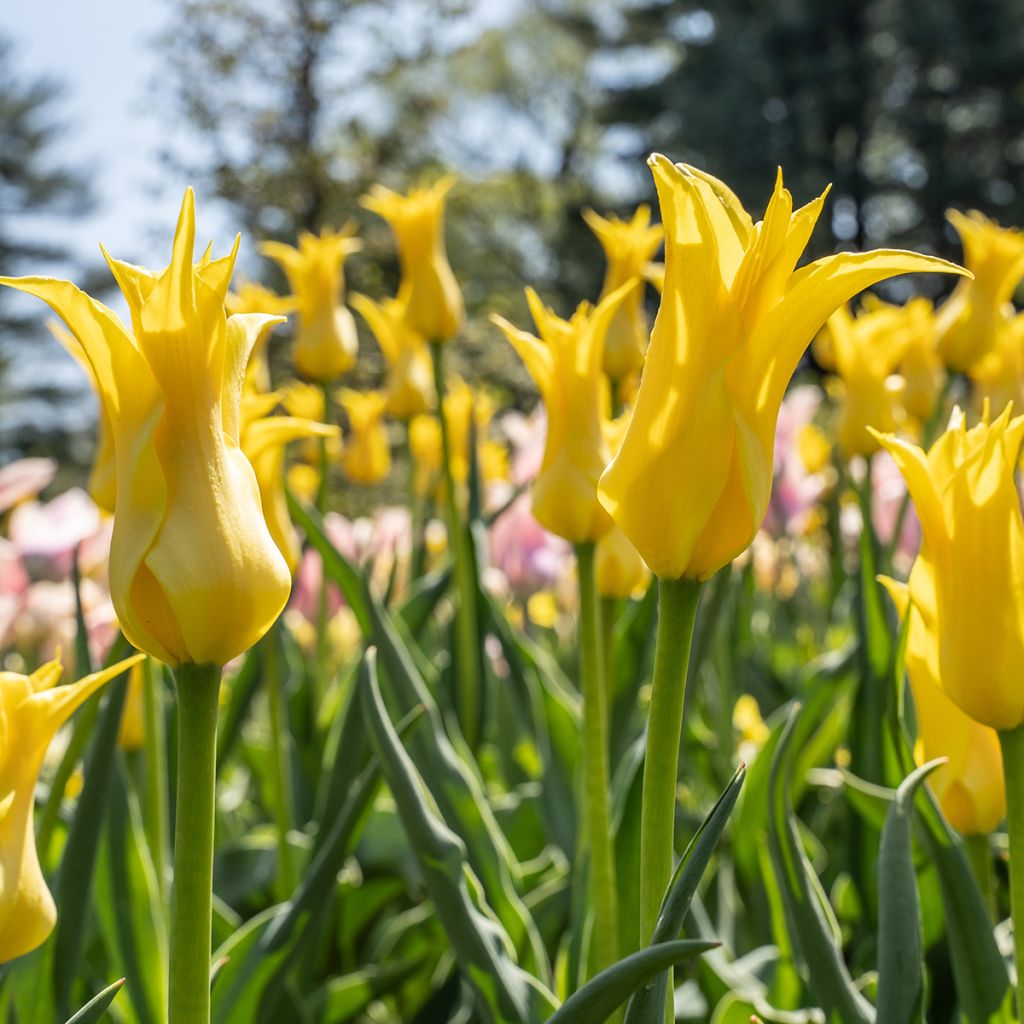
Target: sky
<point>101,50</point>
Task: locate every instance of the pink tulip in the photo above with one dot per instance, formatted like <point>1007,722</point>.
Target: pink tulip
<point>24,479</point>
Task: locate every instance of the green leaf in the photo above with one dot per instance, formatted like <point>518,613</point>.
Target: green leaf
<point>246,972</point>
<point>648,1005</point>
<point>74,882</point>
<point>336,567</point>
<point>316,890</point>
<point>596,1001</point>
<point>97,1006</point>
<point>128,907</point>
<point>344,998</point>
<point>900,952</point>
<point>813,931</point>
<point>484,951</point>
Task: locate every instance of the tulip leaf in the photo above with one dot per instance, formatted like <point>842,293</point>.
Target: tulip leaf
<point>97,1006</point>
<point>596,1001</point>
<point>815,940</point>
<point>457,788</point>
<point>74,882</point>
<point>343,999</point>
<point>648,1005</point>
<point>246,971</point>
<point>128,906</point>
<point>336,567</point>
<point>900,949</point>
<point>505,994</point>
<point>313,895</point>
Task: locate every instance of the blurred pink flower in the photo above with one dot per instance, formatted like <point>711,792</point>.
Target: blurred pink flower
<point>531,558</point>
<point>796,491</point>
<point>24,479</point>
<point>46,535</point>
<point>527,435</point>
<point>889,490</point>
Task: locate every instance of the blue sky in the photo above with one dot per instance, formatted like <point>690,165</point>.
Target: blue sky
<point>101,50</point>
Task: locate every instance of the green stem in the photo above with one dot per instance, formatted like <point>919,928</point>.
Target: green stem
<point>280,764</point>
<point>1012,742</point>
<point>198,688</point>
<point>467,662</point>
<point>596,773</point>
<point>979,854</point>
<point>154,812</point>
<point>677,611</point>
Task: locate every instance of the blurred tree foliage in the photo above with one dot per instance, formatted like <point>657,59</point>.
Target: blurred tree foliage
<point>908,108</point>
<point>34,183</point>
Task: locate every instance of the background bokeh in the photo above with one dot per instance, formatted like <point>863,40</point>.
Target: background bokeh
<point>283,112</point>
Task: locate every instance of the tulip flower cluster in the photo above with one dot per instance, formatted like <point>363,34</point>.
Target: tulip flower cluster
<point>488,827</point>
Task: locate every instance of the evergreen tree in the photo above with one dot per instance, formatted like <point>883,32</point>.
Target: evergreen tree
<point>40,406</point>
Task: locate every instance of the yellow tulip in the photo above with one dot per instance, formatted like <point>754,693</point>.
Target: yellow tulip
<point>429,295</point>
<point>973,549</point>
<point>628,247</point>
<point>566,365</point>
<point>32,709</point>
<point>691,483</point>
<point>103,475</point>
<point>999,377</point>
<point>194,574</point>
<point>131,735</point>
<point>468,417</point>
<point>970,787</point>
<point>619,570</point>
<point>367,455</point>
<point>968,321</point>
<point>410,383</point>
<point>250,297</point>
<point>263,441</point>
<point>425,449</point>
<point>921,366</point>
<point>326,342</point>
<point>865,351</point>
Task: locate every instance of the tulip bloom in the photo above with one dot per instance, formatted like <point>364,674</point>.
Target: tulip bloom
<point>619,570</point>
<point>410,383</point>
<point>921,366</point>
<point>628,247</point>
<point>566,365</point>
<point>972,551</point>
<point>864,351</point>
<point>691,483</point>
<point>428,295</point>
<point>263,440</point>
<point>970,787</point>
<point>969,321</point>
<point>999,377</point>
<point>32,709</point>
<point>326,342</point>
<point>250,297</point>
<point>195,575</point>
<point>367,454</point>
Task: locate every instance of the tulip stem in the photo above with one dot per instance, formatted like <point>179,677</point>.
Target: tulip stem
<point>677,612</point>
<point>1012,743</point>
<point>467,655</point>
<point>596,773</point>
<point>198,689</point>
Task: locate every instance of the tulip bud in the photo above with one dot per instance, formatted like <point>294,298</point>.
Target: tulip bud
<point>428,294</point>
<point>367,456</point>
<point>969,320</point>
<point>972,553</point>
<point>970,786</point>
<point>32,709</point>
<point>566,364</point>
<point>326,341</point>
<point>628,248</point>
